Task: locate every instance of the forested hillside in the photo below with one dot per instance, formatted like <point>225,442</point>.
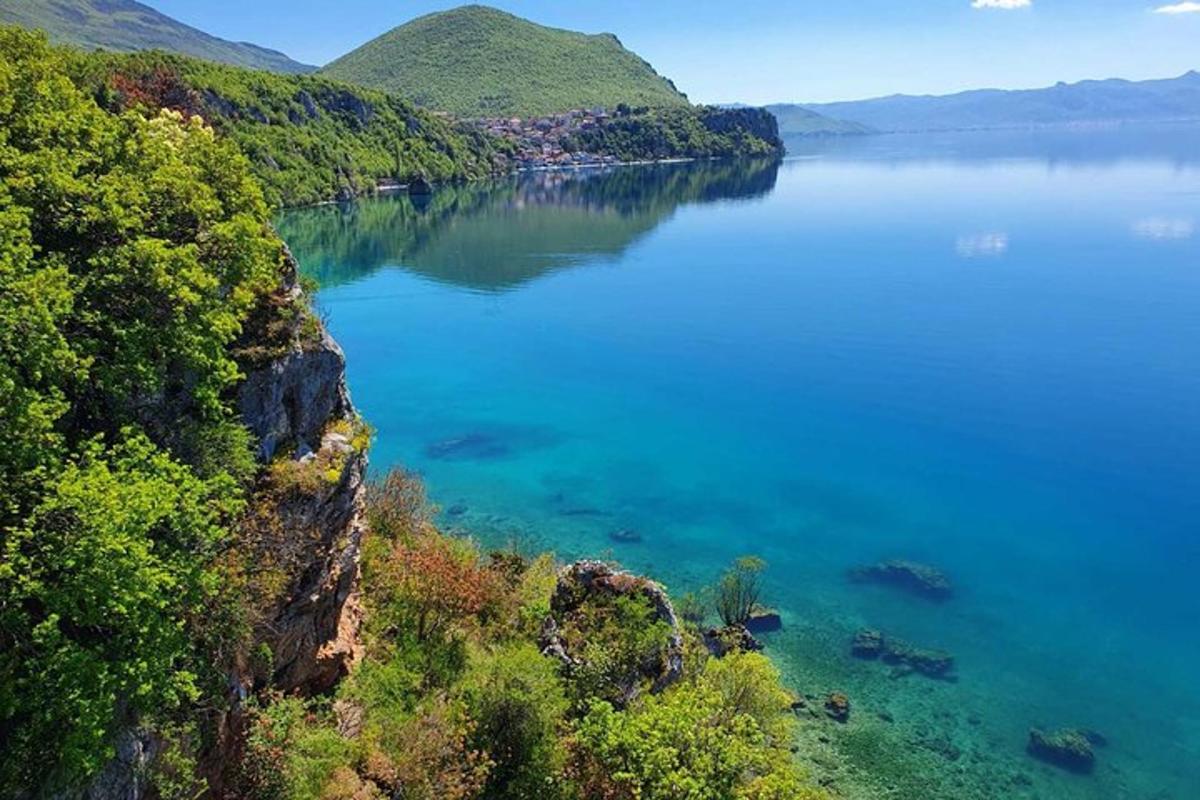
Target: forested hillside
<point>476,61</point>
<point>307,138</point>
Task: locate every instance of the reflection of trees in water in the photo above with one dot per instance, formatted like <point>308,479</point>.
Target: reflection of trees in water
<point>494,236</point>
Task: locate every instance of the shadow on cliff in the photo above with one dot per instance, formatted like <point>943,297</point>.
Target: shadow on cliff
<point>499,235</point>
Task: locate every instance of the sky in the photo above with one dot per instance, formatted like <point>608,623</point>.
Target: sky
<point>757,51</point>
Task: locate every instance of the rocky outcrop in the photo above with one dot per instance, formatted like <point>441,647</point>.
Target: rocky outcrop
<point>586,582</point>
<point>125,776</point>
<point>757,122</point>
<point>837,707</point>
<point>720,642</point>
<point>290,404</point>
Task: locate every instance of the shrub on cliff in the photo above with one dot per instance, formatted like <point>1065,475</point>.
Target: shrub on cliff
<point>684,132</point>
<point>131,249</point>
<point>727,733</point>
<point>518,704</point>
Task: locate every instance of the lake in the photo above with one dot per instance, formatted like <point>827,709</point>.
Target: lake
<point>975,351</point>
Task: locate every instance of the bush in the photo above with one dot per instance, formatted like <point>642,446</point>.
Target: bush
<point>426,755</point>
<point>426,587</point>
<point>692,743</point>
<point>517,702</point>
<point>293,752</point>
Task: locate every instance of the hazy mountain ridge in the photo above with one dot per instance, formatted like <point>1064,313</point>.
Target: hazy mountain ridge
<point>126,25</point>
<point>1108,101</point>
<point>476,61</point>
<point>800,121</point>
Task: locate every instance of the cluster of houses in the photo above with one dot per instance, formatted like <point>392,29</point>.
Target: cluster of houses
<point>546,142</point>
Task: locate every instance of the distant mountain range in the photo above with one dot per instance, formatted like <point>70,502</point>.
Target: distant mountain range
<point>801,121</point>
<point>1083,103</point>
<point>477,61</point>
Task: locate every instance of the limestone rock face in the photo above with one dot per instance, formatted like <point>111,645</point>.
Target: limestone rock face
<point>124,778</point>
<point>315,630</point>
<point>292,399</point>
<point>289,404</point>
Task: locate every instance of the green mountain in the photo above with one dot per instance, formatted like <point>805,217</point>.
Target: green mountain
<point>126,25</point>
<point>799,121</point>
<point>476,61</point>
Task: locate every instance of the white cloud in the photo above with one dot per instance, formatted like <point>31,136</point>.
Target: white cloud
<point>1179,8</point>
<point>1008,5</point>
<point>1164,228</point>
<point>981,245</point>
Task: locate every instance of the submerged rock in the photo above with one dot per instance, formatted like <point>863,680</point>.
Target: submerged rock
<point>730,639</point>
<point>764,620</point>
<point>872,644</point>
<point>625,536</point>
<point>1069,749</point>
<point>837,707</point>
<point>911,576</point>
<point>585,511</point>
<point>868,644</point>
<point>471,446</point>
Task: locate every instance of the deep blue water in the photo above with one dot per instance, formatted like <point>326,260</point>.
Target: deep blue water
<point>979,351</point>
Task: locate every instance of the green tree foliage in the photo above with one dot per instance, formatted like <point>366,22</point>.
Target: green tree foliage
<point>98,586</point>
<point>132,248</point>
<point>724,734</point>
<point>739,590</point>
<point>308,139</point>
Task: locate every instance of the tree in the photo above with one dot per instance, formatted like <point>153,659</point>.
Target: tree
<point>738,591</point>
<point>95,591</point>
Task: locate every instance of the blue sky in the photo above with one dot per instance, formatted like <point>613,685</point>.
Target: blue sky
<point>757,51</point>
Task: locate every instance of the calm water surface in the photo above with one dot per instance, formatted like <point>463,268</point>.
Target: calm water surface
<point>977,351</point>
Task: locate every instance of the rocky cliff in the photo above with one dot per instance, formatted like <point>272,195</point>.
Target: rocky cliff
<point>299,410</point>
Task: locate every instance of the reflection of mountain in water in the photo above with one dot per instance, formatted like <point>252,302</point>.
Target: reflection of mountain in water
<point>1176,144</point>
<point>496,236</point>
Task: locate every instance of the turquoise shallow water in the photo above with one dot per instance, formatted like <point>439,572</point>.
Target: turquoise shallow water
<point>977,351</point>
